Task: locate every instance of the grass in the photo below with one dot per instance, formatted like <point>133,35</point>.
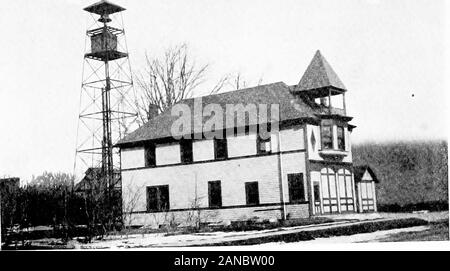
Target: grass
<point>438,231</point>
<point>329,232</point>
<point>247,225</point>
<point>251,225</point>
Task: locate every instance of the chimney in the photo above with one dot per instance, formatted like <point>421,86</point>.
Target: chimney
<point>152,111</point>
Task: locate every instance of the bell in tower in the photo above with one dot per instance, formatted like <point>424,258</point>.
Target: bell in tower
<point>104,38</point>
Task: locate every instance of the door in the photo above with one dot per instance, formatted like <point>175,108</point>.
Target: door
<point>329,191</point>
<point>317,202</point>
<point>367,196</point>
<point>346,198</point>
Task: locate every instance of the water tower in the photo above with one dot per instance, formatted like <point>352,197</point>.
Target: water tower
<point>106,100</point>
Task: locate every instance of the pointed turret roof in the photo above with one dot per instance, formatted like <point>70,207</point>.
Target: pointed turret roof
<point>319,74</point>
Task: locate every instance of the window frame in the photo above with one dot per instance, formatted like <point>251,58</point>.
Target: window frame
<point>216,150</point>
<point>159,207</point>
<point>150,155</point>
<point>211,201</point>
<point>186,151</point>
<point>292,187</point>
<point>260,141</point>
<point>324,147</point>
<point>340,137</point>
<point>250,194</point>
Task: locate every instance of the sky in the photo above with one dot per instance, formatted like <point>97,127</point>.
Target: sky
<point>389,54</point>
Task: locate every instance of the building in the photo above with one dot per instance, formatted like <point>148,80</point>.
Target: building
<point>9,189</point>
<point>365,180</point>
<point>302,169</point>
<point>9,184</point>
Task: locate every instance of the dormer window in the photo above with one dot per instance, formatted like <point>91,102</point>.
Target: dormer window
<point>327,137</point>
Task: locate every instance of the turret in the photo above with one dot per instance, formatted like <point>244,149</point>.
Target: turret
<point>322,85</point>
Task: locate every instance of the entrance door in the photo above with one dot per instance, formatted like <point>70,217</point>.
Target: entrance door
<point>367,196</point>
<point>329,191</point>
<point>346,190</point>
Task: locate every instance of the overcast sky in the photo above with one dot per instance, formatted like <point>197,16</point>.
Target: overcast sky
<point>389,54</point>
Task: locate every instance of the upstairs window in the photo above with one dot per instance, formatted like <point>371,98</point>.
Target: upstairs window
<point>327,137</point>
<point>158,198</point>
<point>215,194</point>
<point>296,187</point>
<point>341,138</point>
<point>150,157</point>
<point>220,149</point>
<point>186,151</point>
<point>252,193</point>
<point>263,145</point>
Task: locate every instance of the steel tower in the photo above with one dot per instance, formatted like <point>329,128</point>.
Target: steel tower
<point>106,109</point>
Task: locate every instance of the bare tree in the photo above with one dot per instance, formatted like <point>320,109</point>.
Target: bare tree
<point>168,80</point>
<point>237,81</point>
<point>131,203</point>
<point>175,76</point>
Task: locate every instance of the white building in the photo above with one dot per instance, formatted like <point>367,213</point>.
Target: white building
<point>302,169</point>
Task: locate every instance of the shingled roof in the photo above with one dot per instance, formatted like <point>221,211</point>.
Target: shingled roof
<point>319,74</point>
<point>291,107</point>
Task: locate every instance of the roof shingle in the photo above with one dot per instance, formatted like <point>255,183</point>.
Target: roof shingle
<point>292,104</point>
<point>319,74</point>
<point>291,107</point>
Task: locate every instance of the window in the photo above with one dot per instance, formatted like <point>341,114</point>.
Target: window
<point>186,151</point>
<point>215,194</point>
<point>316,192</point>
<point>220,148</point>
<point>150,157</point>
<point>158,198</point>
<point>327,137</point>
<point>252,193</point>
<point>263,145</point>
<point>296,187</point>
<point>341,138</point>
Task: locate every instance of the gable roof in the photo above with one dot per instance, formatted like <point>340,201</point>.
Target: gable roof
<point>358,172</point>
<point>319,74</point>
<point>291,107</point>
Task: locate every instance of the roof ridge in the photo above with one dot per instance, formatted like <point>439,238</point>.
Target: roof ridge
<point>233,91</point>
